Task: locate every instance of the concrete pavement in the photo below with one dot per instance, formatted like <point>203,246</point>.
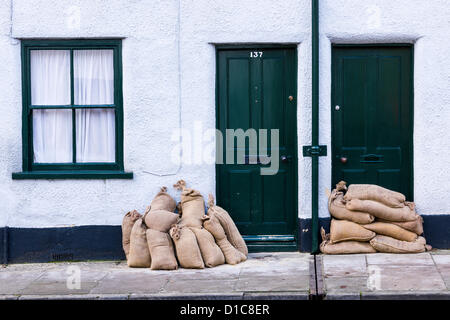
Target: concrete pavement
<point>387,276</point>
<point>262,276</point>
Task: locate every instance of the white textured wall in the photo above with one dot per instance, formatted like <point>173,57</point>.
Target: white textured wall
<point>150,89</point>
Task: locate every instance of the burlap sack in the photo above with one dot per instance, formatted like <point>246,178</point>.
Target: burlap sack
<point>127,224</point>
<point>390,245</point>
<point>211,253</point>
<point>161,250</point>
<point>192,206</point>
<point>186,247</point>
<point>160,220</point>
<point>391,230</point>
<point>345,247</point>
<point>336,206</point>
<point>382,211</point>
<point>341,186</point>
<point>415,226</point>
<point>139,255</point>
<point>163,201</point>
<point>342,230</point>
<point>231,231</point>
<point>232,255</point>
<point>373,192</point>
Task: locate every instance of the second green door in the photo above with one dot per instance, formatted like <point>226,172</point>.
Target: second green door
<point>372,111</point>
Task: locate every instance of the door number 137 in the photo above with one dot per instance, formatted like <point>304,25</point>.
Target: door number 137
<point>256,54</point>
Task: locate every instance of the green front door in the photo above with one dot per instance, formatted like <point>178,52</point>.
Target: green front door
<point>372,112</point>
<point>256,89</point>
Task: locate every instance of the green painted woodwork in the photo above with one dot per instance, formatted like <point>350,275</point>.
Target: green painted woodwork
<point>69,170</point>
<point>254,93</point>
<point>373,128</point>
<point>74,174</point>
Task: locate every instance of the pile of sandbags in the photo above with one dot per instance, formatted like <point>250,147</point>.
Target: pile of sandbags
<point>368,218</point>
<point>149,234</point>
<point>162,239</point>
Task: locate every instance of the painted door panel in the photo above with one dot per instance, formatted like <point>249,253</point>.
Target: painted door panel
<point>372,127</point>
<point>253,92</point>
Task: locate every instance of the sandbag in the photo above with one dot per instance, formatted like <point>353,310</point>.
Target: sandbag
<point>186,247</point>
<point>373,192</point>
<point>390,245</point>
<point>211,253</point>
<point>391,230</point>
<point>160,220</point>
<point>381,210</point>
<point>192,206</point>
<point>336,206</point>
<point>345,247</point>
<point>232,255</point>
<point>127,224</point>
<point>228,225</point>
<point>161,250</point>
<point>139,255</point>
<point>342,230</point>
<point>163,201</point>
<point>415,226</point>
<point>341,186</point>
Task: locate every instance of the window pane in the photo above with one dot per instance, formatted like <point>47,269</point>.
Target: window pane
<point>52,136</point>
<point>93,77</point>
<point>50,77</point>
<point>96,135</point>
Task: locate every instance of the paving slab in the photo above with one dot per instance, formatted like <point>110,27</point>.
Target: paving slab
<point>82,272</point>
<point>345,285</point>
<point>56,288</point>
<point>443,266</point>
<point>281,295</point>
<point>274,268</point>
<point>402,295</point>
<point>271,283</point>
<point>13,282</point>
<point>212,286</point>
<point>342,296</point>
<point>408,278</point>
<point>440,252</point>
<point>66,278</point>
<point>391,259</point>
<point>344,265</point>
<point>187,296</point>
<point>441,261</point>
<point>222,272</point>
<point>124,282</point>
<point>9,297</point>
<point>76,297</point>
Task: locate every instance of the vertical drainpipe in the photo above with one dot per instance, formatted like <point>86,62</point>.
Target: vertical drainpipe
<point>315,126</point>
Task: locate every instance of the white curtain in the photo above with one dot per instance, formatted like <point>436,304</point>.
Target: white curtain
<point>94,85</point>
<point>50,85</point>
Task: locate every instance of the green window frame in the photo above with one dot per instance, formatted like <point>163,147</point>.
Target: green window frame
<point>97,170</point>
